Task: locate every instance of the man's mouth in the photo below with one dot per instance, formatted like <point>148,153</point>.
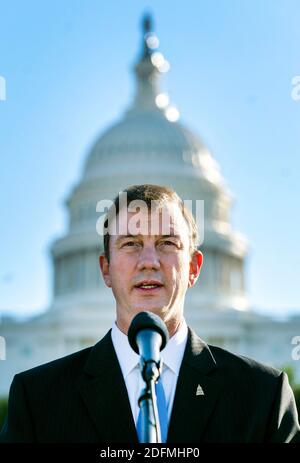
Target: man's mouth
<point>150,286</point>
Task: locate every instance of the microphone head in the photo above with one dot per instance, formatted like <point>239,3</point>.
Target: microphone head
<point>147,321</point>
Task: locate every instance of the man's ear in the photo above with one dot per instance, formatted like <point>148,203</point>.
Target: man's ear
<point>195,267</point>
<point>104,266</point>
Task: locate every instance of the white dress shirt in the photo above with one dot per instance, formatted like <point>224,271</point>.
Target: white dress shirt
<point>171,357</point>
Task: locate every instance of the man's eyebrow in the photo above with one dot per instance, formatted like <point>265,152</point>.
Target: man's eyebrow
<point>169,235</point>
<point>122,237</point>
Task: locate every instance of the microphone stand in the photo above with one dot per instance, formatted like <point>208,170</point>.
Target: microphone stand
<point>151,432</point>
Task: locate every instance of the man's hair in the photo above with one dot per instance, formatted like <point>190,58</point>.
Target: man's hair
<point>148,193</point>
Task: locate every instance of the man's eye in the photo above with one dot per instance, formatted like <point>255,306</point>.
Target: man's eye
<point>129,244</point>
<point>169,243</point>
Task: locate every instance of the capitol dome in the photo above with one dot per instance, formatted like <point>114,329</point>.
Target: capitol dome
<point>149,145</point>
<point>148,138</point>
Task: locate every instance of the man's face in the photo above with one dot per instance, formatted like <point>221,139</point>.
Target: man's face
<point>150,272</point>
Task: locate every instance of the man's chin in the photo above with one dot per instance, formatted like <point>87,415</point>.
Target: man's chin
<point>157,310</point>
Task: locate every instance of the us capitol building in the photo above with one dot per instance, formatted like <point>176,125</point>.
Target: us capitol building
<point>147,145</point>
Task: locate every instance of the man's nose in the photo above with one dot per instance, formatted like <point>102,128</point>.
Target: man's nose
<point>148,258</point>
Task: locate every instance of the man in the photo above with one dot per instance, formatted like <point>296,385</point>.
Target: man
<point>150,260</point>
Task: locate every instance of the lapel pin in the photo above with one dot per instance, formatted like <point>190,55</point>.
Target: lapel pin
<point>199,390</point>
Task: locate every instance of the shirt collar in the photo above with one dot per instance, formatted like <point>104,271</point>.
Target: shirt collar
<point>171,355</point>
<point>128,359</point>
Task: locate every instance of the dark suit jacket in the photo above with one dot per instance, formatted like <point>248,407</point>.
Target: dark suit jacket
<point>83,398</point>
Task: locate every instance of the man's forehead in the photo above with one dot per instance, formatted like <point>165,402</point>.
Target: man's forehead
<point>166,219</point>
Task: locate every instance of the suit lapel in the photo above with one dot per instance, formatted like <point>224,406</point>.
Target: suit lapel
<point>196,392</point>
<point>104,393</point>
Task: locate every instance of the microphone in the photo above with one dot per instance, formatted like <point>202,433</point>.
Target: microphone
<point>147,336</point>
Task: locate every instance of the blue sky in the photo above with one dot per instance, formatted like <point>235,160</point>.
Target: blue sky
<point>67,66</point>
